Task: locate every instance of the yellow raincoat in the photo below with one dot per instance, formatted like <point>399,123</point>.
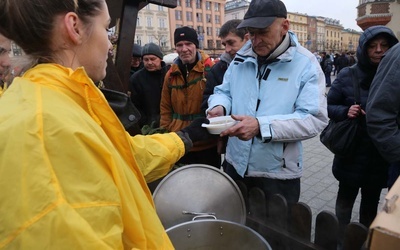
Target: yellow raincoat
<point>70,176</point>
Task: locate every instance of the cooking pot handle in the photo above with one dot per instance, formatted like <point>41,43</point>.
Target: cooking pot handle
<point>204,216</point>
<point>200,215</point>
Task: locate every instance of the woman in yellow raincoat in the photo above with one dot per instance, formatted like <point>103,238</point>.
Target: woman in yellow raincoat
<point>70,175</point>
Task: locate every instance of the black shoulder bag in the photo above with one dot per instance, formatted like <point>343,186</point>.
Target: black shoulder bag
<point>340,137</point>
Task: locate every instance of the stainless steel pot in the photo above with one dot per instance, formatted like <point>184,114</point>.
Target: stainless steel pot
<point>215,234</point>
<point>198,189</point>
<point>188,195</point>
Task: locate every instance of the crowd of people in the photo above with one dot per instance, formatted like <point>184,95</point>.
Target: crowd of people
<point>76,179</point>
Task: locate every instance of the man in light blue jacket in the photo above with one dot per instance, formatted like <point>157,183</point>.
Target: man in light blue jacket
<point>275,89</point>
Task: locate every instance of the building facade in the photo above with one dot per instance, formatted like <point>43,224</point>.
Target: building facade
<point>205,16</point>
<point>333,30</point>
<point>153,26</point>
<point>350,39</point>
<point>379,12</point>
<point>236,9</point>
<point>299,25</point>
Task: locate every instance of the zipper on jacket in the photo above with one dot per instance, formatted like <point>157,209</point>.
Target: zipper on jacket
<point>283,158</point>
<point>263,76</point>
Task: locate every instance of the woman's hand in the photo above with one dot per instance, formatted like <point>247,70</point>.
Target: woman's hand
<point>355,111</point>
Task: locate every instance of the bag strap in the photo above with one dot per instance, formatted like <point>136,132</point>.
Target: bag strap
<point>356,84</point>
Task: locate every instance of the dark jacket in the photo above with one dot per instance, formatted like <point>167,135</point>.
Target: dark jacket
<point>383,106</point>
<point>215,77</point>
<point>326,64</point>
<point>342,62</point>
<point>136,69</point>
<point>145,87</point>
<point>365,166</point>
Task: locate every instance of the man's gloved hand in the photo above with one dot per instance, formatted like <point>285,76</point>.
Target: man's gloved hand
<point>195,131</point>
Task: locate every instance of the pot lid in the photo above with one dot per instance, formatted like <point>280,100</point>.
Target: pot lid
<point>196,191</point>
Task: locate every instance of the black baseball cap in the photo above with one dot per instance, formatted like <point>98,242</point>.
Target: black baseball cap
<point>262,13</point>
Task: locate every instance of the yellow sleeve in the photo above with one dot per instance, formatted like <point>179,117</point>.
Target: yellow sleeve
<point>156,154</point>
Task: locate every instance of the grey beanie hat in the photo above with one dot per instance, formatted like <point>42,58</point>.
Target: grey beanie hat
<point>137,50</point>
<point>152,49</point>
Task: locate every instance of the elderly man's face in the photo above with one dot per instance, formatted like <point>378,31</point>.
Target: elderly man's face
<point>186,51</point>
<point>5,48</point>
<point>264,41</point>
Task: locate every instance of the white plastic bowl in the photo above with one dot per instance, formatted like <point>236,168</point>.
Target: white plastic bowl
<point>219,124</point>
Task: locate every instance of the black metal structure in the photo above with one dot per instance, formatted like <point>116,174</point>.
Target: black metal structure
<point>127,12</point>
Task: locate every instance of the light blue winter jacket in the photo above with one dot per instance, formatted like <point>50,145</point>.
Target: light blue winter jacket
<point>291,101</point>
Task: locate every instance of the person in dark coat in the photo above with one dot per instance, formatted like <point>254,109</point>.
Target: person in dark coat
<point>233,39</point>
<point>336,63</point>
<point>146,84</point>
<point>343,62</point>
<point>326,66</point>
<point>136,60</point>
<point>365,169</point>
<point>383,111</point>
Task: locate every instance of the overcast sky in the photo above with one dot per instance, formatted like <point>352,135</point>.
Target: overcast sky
<point>343,10</point>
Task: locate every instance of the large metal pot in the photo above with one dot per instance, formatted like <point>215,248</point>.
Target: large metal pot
<point>215,234</point>
<point>198,189</point>
<point>188,195</point>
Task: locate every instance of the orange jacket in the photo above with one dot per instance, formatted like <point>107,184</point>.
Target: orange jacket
<point>181,101</point>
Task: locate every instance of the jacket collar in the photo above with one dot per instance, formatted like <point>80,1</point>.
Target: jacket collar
<point>282,52</point>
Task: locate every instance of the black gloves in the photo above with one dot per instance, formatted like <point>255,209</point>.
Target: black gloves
<point>195,131</point>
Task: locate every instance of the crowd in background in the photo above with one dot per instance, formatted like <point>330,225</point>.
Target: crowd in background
<point>274,88</point>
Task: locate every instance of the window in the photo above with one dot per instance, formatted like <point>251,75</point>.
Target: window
<point>178,3</point>
<point>217,19</point>
<point>216,6</point>
<point>160,8</point>
<point>148,21</point>
<point>208,5</point>
<point>209,31</point>
<point>219,44</point>
<point>163,41</point>
<point>199,17</point>
<point>161,22</point>
<point>198,4</point>
<point>210,43</point>
<point>217,30</point>
<point>138,22</point>
<point>208,18</point>
<point>139,40</point>
<point>200,29</point>
<point>189,3</point>
<point>189,16</point>
<point>178,15</point>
